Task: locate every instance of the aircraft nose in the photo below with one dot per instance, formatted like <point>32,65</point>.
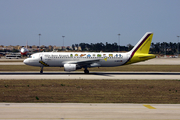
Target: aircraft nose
<point>26,61</point>
<point>22,50</point>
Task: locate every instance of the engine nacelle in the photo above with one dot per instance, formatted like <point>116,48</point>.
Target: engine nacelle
<point>71,67</point>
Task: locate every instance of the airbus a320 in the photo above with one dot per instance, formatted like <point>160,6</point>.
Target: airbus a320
<point>72,61</point>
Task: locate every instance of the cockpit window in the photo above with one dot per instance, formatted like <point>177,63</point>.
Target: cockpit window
<point>30,56</point>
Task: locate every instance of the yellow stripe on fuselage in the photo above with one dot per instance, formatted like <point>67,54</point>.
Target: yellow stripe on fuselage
<point>43,63</point>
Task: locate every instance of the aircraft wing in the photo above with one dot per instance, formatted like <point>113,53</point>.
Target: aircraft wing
<point>83,62</point>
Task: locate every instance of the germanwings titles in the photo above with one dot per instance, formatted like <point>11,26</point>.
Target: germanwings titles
<point>72,61</point>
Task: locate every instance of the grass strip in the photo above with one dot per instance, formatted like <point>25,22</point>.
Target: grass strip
<point>161,68</point>
<point>90,91</point>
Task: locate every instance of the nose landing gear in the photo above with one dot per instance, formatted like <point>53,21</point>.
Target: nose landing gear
<point>86,71</point>
<point>41,70</point>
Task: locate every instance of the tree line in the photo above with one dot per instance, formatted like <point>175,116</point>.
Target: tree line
<point>156,48</point>
<point>97,47</point>
<point>165,48</point>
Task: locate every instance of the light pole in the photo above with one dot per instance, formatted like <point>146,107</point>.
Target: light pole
<point>63,42</point>
<point>178,47</point>
<point>165,49</point>
<point>119,42</point>
<point>39,41</point>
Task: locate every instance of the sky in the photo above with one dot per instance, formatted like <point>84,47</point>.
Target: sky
<point>87,21</point>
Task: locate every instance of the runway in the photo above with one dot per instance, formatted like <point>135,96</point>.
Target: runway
<point>93,75</point>
<point>99,75</point>
<point>88,111</point>
<point>156,61</point>
<point>12,63</point>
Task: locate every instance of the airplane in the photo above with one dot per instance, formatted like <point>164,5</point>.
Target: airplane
<point>72,61</point>
<point>24,51</point>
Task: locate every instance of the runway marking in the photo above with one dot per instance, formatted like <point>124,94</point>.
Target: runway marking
<point>149,106</point>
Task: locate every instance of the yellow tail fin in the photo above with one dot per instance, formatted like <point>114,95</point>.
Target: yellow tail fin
<point>144,44</point>
<point>140,52</point>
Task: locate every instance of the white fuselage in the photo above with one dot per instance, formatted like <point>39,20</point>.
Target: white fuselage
<point>58,59</point>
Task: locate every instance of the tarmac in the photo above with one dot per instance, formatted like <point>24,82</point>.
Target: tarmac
<point>21,75</point>
<point>88,111</point>
<point>156,61</point>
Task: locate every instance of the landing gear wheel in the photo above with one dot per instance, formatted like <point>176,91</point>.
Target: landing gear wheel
<point>86,71</point>
<point>41,70</point>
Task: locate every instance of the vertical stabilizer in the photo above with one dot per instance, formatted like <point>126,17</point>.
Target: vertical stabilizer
<point>27,45</point>
<point>144,44</point>
<point>140,52</point>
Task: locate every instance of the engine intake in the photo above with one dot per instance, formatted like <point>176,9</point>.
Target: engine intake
<point>71,67</point>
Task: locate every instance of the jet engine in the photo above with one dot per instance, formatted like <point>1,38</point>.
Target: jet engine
<point>71,67</point>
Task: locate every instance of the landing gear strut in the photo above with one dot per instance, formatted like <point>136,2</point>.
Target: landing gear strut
<point>86,71</point>
<point>41,70</point>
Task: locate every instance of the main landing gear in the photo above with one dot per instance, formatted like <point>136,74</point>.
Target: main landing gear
<point>86,71</point>
<point>41,70</point>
